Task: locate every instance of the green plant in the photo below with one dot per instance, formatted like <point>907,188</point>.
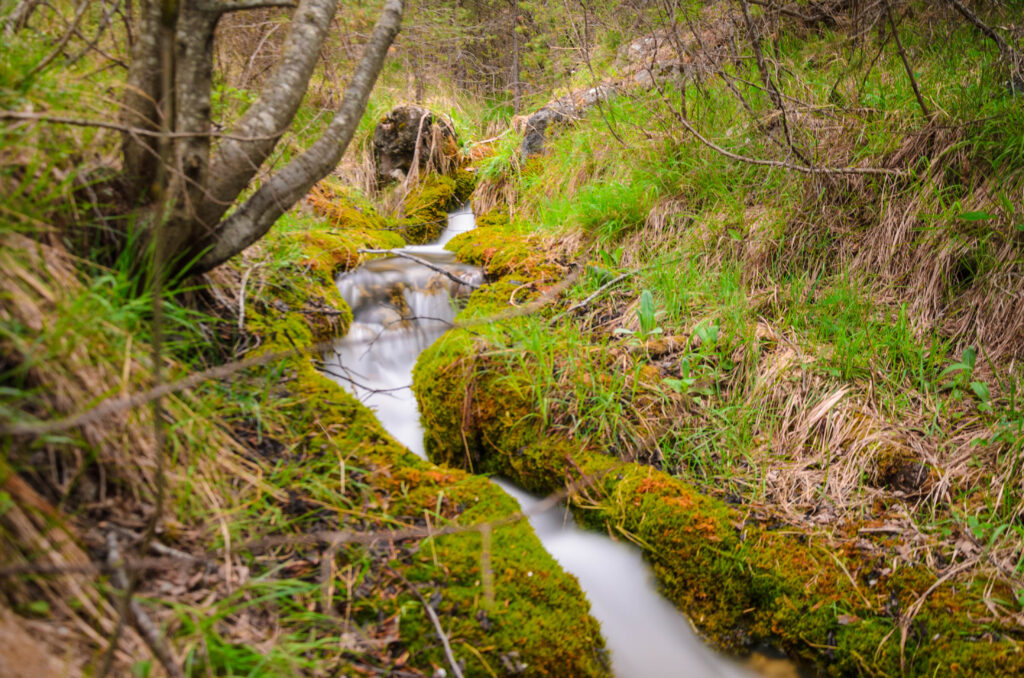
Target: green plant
<point>963,371</point>
<point>647,315</point>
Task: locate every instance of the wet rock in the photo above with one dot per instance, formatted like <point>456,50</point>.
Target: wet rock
<point>396,137</point>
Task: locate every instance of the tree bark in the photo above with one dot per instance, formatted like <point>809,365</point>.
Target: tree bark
<point>236,162</point>
<point>515,57</point>
<point>256,215</point>
<point>140,105</point>
<point>192,92</point>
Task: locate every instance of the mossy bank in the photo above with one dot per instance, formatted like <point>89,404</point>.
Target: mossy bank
<point>741,579</point>
<point>534,616</point>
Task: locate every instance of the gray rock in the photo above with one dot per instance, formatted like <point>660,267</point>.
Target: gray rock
<point>563,109</point>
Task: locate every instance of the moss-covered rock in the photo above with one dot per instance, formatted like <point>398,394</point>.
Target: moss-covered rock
<point>427,206</point>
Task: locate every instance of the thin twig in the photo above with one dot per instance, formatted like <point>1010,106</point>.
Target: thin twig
<point>598,292</point>
<point>61,44</point>
<point>143,624</point>
<point>906,62</point>
<point>103,124</point>
<point>241,298</point>
<point>452,662</point>
<point>423,262</point>
<point>788,165</point>
<point>769,83</point>
<point>915,607</point>
<point>1005,49</point>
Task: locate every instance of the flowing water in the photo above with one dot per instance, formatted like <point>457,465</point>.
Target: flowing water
<point>399,308</point>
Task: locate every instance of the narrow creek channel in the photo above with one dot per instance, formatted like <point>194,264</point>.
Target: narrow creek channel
<point>399,308</point>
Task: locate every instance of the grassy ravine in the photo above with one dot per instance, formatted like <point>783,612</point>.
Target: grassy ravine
<point>812,384</point>
<point>534,602</point>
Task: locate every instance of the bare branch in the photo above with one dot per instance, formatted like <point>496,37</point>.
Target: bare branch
<point>779,163</point>
<point>235,164</point>
<point>598,292</point>
<point>19,16</point>
<point>769,83</point>
<point>61,44</point>
<point>143,624</point>
<point>1005,49</point>
<point>423,262</point>
<point>141,131</point>
<point>242,5</point>
<point>906,63</point>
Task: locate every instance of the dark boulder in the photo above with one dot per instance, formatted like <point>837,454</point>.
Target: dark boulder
<point>396,137</point>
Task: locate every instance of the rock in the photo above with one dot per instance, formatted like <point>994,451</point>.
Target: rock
<point>395,140</point>
<point>695,49</point>
<point>563,109</point>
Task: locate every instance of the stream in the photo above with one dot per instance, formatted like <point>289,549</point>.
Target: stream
<point>399,308</point>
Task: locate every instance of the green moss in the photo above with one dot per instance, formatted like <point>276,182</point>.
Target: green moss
<point>740,581</point>
<point>538,611</point>
<point>427,207</point>
<point>465,183</point>
<point>497,217</point>
<point>500,249</point>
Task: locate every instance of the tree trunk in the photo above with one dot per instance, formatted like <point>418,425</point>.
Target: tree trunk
<point>168,167</point>
<point>236,161</point>
<point>140,105</point>
<point>515,57</point>
<point>257,214</point>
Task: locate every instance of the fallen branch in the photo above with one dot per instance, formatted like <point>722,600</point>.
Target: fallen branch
<point>1005,50</point>
<point>423,262</point>
<point>598,292</point>
<point>449,655</point>
<point>143,624</point>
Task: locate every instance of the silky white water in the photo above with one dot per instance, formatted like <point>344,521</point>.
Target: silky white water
<point>399,308</point>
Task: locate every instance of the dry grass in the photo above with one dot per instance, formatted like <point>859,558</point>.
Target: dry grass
<point>107,470</point>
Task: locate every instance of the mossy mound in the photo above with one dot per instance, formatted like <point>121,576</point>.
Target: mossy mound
<point>427,205</point>
<point>501,249</point>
